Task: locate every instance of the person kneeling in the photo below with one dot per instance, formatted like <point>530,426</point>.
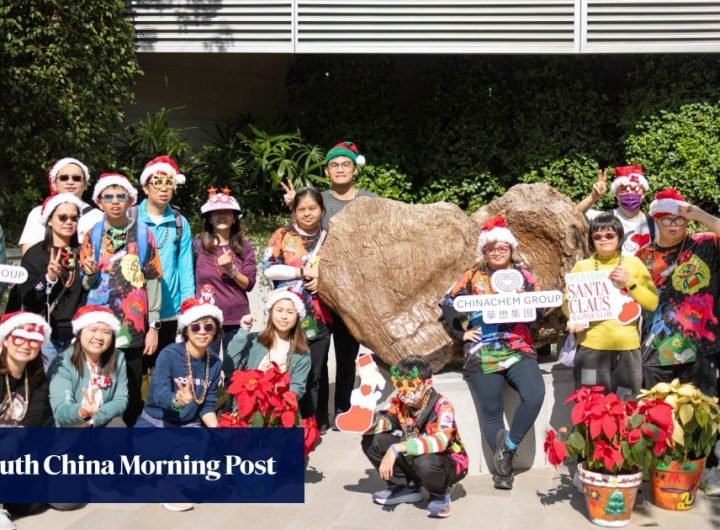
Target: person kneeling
<point>415,441</point>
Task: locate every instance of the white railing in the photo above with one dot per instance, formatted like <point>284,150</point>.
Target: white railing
<point>426,26</point>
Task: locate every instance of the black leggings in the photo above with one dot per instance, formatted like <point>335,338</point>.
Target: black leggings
<point>134,362</point>
<point>346,351</point>
<point>526,379</point>
<point>315,400</point>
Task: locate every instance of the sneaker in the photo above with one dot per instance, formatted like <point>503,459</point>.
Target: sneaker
<point>503,456</point>
<point>5,521</point>
<point>503,482</point>
<point>439,507</point>
<point>178,506</point>
<point>710,482</point>
<point>398,495</point>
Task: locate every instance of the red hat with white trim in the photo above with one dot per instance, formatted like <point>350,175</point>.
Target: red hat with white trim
<point>53,201</point>
<point>285,294</point>
<point>24,324</point>
<point>193,309</point>
<point>667,202</point>
<point>94,314</point>
<point>495,230</point>
<point>630,176</point>
<point>113,179</point>
<point>162,165</point>
<point>57,166</point>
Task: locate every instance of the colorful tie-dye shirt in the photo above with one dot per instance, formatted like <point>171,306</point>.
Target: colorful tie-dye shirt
<point>287,246</point>
<point>501,345</point>
<point>121,284</point>
<point>685,324</point>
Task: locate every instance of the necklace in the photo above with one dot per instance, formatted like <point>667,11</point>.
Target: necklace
<point>597,261</point>
<point>14,407</point>
<point>206,383</point>
<point>165,233</point>
<point>117,237</point>
<point>408,423</point>
<point>220,273</point>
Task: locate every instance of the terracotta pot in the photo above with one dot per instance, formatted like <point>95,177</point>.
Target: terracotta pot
<point>674,485</point>
<point>609,498</point>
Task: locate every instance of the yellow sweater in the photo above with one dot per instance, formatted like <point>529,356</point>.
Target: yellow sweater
<point>610,334</point>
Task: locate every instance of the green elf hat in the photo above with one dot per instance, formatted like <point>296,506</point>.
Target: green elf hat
<point>347,149</point>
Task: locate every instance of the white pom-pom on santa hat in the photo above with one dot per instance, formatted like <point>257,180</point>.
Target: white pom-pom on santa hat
<point>113,179</point>
<point>667,202</point>
<point>162,164</point>
<point>629,176</point>
<point>284,294</point>
<point>57,166</point>
<point>360,161</point>
<point>495,230</point>
<point>193,309</point>
<point>24,324</point>
<point>53,201</point>
<point>94,314</point>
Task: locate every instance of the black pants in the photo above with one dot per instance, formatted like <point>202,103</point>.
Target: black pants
<point>166,335</point>
<point>434,471</point>
<point>619,371</point>
<point>315,400</point>
<point>526,379</point>
<point>346,351</point>
<point>702,373</point>
<point>134,361</point>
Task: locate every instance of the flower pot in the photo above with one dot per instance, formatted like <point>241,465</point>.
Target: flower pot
<point>609,498</point>
<point>674,485</point>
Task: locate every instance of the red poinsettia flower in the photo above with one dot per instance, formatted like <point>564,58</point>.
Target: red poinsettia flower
<point>554,449</point>
<point>634,436</point>
<point>583,398</point>
<point>608,454</point>
<point>228,419</point>
<point>606,413</point>
<point>312,434</point>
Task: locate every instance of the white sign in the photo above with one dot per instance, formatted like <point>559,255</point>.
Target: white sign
<point>508,307</point>
<point>592,297</point>
<point>12,274</point>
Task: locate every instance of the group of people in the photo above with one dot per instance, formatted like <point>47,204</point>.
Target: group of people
<point>109,287</point>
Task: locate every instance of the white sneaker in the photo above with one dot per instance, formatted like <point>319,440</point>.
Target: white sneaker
<point>710,482</point>
<point>5,521</point>
<point>178,506</point>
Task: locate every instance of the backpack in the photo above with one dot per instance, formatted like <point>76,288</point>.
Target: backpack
<point>133,214</point>
<point>651,226</point>
<point>142,240</point>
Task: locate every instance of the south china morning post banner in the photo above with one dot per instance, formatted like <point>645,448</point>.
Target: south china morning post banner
<point>151,465</point>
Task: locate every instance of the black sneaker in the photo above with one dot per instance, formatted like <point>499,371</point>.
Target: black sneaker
<point>503,482</point>
<point>503,456</point>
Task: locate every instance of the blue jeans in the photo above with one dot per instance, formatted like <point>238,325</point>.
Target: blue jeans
<point>52,349</point>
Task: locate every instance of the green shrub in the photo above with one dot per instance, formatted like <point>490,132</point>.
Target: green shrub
<point>387,181</point>
<point>469,194</point>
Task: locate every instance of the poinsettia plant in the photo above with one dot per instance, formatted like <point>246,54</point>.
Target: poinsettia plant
<point>610,435</point>
<point>264,399</point>
<point>696,418</point>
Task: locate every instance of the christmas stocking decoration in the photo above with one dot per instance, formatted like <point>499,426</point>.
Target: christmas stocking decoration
<point>364,398</point>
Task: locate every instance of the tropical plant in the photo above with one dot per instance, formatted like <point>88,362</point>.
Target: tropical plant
<point>695,416</point>
<point>612,436</point>
<point>387,181</point>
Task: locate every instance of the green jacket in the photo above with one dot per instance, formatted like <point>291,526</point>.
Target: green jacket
<point>66,388</point>
<point>245,352</point>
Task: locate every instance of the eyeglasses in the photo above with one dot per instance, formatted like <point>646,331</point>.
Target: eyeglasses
<point>672,221</point>
<point>19,341</point>
<point>157,182</point>
<point>64,218</point>
<point>195,327</point>
<point>496,251</point>
<point>110,197</point>
<point>75,178</point>
<point>602,236</point>
<point>345,165</point>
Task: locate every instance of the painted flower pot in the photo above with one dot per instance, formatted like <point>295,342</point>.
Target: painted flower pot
<point>675,485</point>
<point>609,498</point>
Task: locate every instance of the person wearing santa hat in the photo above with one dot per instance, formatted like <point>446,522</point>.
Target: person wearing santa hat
<point>281,342</point>
<point>88,382</point>
<point>173,236</point>
<point>629,186</point>
<point>127,280</point>
<point>497,353</point>
<point>54,285</point>
<point>342,164</point>
<point>67,175</point>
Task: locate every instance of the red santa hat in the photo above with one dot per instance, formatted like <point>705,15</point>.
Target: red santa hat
<point>494,230</point>
<point>220,201</point>
<point>94,314</point>
<point>24,324</point>
<point>113,179</point>
<point>667,202</point>
<point>193,309</point>
<point>162,164</point>
<point>284,294</point>
<point>57,166</point>
<point>629,176</point>
<point>53,201</point>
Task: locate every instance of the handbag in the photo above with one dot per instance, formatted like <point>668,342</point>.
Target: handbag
<point>566,356</point>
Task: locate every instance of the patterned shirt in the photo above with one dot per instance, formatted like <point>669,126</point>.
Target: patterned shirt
<point>685,324</point>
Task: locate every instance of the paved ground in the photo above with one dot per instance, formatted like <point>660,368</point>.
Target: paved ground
<point>337,495</point>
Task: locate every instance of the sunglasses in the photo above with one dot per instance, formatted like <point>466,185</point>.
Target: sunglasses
<point>75,178</point>
<point>207,327</point>
<point>64,218</point>
<point>19,341</point>
<point>604,236</point>
<point>110,197</point>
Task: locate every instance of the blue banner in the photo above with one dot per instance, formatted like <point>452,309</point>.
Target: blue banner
<point>151,465</point>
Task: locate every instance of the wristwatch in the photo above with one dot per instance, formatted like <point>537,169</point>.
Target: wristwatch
<point>155,324</point>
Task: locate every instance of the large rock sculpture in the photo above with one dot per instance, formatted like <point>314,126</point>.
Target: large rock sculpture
<point>386,264</point>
